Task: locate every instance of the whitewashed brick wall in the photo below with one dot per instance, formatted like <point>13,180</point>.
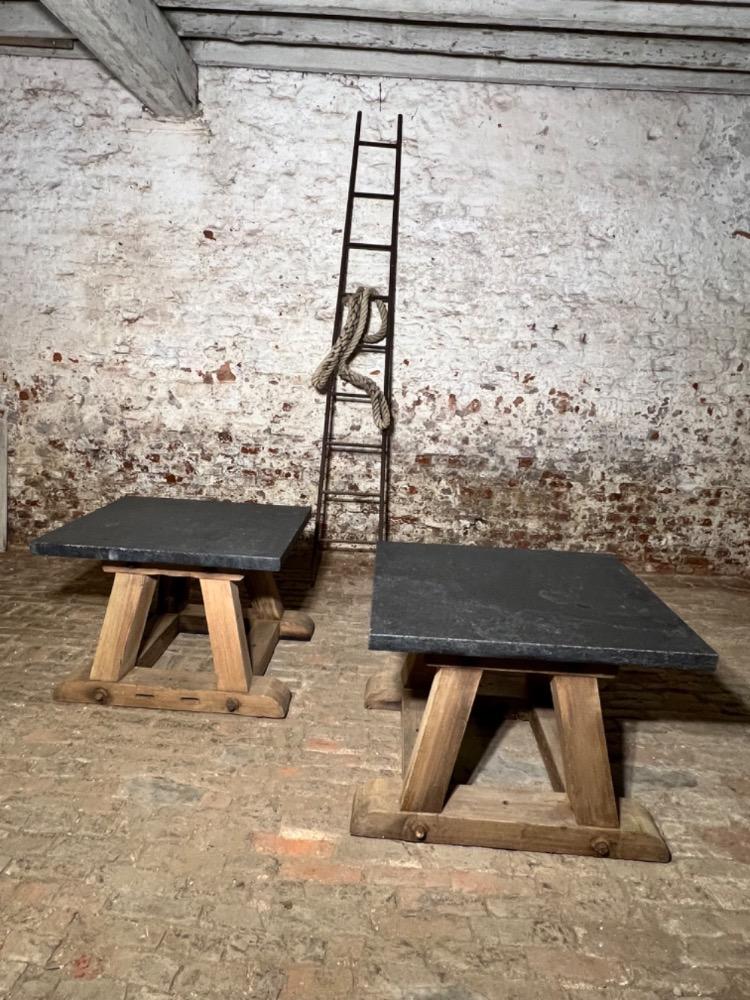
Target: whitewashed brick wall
<point>572,330</point>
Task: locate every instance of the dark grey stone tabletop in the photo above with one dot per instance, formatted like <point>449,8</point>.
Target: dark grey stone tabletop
<point>212,534</point>
<point>572,607</point>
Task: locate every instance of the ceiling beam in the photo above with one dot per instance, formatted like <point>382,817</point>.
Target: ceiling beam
<point>429,66</point>
<point>518,44</point>
<point>136,43</point>
<point>705,18</point>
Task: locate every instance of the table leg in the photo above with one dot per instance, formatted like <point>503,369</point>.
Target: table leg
<point>264,595</point>
<point>122,630</point>
<point>226,631</point>
<point>439,739</point>
<point>385,688</point>
<point>580,816</point>
<point>266,605</point>
<point>117,679</point>
<point>588,778</point>
<point>163,625</point>
<point>547,734</point>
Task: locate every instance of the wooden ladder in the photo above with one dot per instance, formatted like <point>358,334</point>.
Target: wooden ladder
<point>327,494</point>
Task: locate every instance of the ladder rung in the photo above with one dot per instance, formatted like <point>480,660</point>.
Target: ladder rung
<point>342,498</point>
<point>353,397</point>
<point>354,446</point>
<point>373,349</point>
<point>327,541</point>
<point>373,298</point>
<point>385,247</point>
<point>380,145</point>
<point>374,194</point>
<point>360,496</point>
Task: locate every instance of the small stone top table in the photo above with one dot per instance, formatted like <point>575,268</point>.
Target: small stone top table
<point>155,547</point>
<point>524,625</point>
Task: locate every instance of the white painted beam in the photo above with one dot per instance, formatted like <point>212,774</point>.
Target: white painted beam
<point>448,39</point>
<point>136,43</point>
<point>707,18</point>
<point>361,62</point>
<point>455,40</point>
<point>23,18</point>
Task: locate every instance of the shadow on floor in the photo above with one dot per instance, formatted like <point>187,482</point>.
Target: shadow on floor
<point>494,736</point>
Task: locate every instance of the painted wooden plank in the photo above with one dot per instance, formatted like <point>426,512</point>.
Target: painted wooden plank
<point>29,19</point>
<point>361,62</point>
<point>544,46</point>
<point>705,19</point>
<point>60,50</point>
<point>139,47</point>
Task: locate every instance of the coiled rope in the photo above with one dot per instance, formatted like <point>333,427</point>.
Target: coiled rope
<point>353,335</point>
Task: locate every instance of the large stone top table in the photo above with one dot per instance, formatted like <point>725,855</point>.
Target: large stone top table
<point>156,547</point>
<point>219,534</point>
<point>539,630</point>
<point>571,607</point>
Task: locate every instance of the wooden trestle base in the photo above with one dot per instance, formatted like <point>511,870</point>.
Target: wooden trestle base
<point>580,815</point>
<point>148,607</point>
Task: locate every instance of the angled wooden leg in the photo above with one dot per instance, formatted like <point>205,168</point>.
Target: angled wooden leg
<point>226,630</point>
<point>159,635</point>
<point>439,739</point>
<point>588,778</point>
<point>546,731</point>
<point>163,626</point>
<point>384,690</point>
<point>232,688</point>
<point>122,630</point>
<point>264,595</point>
<point>266,605</point>
<point>579,817</point>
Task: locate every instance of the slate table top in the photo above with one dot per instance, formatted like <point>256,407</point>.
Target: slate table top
<point>211,534</point>
<point>571,607</point>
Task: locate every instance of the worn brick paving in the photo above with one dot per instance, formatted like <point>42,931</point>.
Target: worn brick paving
<point>151,855</point>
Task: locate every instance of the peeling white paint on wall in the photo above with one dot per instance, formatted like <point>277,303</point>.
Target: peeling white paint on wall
<point>572,327</point>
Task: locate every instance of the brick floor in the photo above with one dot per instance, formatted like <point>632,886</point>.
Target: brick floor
<point>148,855</point>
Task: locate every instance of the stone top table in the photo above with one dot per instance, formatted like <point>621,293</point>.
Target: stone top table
<point>534,629</point>
<point>155,547</point>
<point>217,534</point>
<point>573,607</point>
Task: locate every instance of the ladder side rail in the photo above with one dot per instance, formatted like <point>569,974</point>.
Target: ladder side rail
<point>321,508</point>
<point>385,464</point>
